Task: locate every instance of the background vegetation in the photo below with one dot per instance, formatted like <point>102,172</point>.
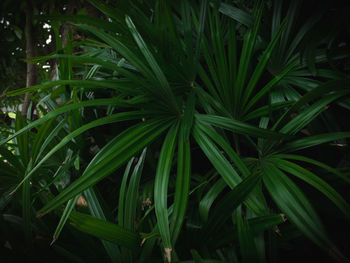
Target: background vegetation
<point>189,131</point>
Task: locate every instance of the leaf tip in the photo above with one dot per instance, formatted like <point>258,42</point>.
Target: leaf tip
<point>167,253</point>
<point>143,241</point>
<point>284,217</point>
<point>336,254</point>
<point>13,192</point>
<point>53,240</point>
<point>38,215</point>
<point>82,201</point>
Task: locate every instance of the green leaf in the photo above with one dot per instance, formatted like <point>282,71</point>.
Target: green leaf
<point>314,181</point>
<point>91,84</point>
<point>183,179</point>
<point>209,198</point>
<point>48,139</point>
<point>225,169</point>
<point>201,27</point>
<point>66,213</point>
<point>43,132</point>
<point>294,204</point>
<point>163,93</point>
<point>223,166</point>
<point>104,230</point>
<point>226,206</point>
<point>11,159</point>
<point>187,27</point>
<point>27,208</point>
<point>220,55</point>
<point>161,186</point>
<point>61,110</point>
<point>261,223</point>
<point>246,240</point>
<point>132,194</point>
<point>97,211</point>
<point>213,77</point>
<point>262,64</point>
<point>236,14</point>
<point>106,120</point>
<point>266,110</point>
<point>311,141</point>
<point>153,64</point>
<point>188,116</point>
<point>22,140</point>
<point>302,32</point>
<point>316,163</point>
<point>111,156</point>
<point>310,113</point>
<point>208,103</point>
<point>330,86</point>
<point>269,86</point>
<point>232,57</point>
<point>238,126</point>
<point>246,54</point>
<point>292,16</point>
<point>227,149</point>
<point>87,60</point>
<point>122,193</point>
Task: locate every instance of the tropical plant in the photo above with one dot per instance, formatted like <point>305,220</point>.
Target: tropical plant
<point>187,127</point>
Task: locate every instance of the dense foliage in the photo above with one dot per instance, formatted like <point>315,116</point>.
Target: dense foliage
<point>189,131</point>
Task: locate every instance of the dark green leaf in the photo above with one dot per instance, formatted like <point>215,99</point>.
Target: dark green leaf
<point>113,155</point>
<point>161,187</point>
<point>294,204</point>
<point>104,230</point>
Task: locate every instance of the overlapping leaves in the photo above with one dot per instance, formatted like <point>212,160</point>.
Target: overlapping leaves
<point>175,71</point>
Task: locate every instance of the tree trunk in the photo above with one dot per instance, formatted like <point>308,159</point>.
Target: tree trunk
<point>32,71</point>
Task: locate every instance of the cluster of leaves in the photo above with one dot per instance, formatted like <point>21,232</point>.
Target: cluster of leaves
<point>182,132</point>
